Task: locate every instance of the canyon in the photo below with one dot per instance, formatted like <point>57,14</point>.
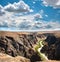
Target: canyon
<point>18,45</point>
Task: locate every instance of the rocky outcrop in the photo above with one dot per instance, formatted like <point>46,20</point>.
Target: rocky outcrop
<point>19,44</point>
<point>52,49</point>
<point>51,39</point>
<point>7,58</point>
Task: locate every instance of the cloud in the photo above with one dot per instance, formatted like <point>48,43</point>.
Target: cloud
<point>2,12</point>
<point>21,6</point>
<point>52,3</point>
<point>7,14</point>
<point>34,2</point>
<point>37,15</point>
<point>46,15</point>
<point>26,22</point>
<point>9,19</point>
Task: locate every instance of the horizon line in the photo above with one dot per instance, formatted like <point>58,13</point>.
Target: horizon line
<point>32,30</point>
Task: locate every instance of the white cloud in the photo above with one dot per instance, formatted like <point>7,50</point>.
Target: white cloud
<point>21,6</point>
<point>26,22</point>
<point>37,15</point>
<point>2,12</point>
<point>46,15</point>
<point>53,3</point>
<point>34,2</point>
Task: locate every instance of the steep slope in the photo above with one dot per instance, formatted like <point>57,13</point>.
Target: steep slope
<point>22,44</point>
<point>52,47</point>
<point>7,58</point>
<point>19,44</point>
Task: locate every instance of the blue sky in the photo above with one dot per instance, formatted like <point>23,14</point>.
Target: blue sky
<point>29,14</point>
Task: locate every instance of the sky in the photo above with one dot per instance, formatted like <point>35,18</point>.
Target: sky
<point>27,15</point>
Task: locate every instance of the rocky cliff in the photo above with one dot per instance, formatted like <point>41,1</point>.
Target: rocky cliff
<point>7,58</point>
<point>22,43</point>
<point>19,44</point>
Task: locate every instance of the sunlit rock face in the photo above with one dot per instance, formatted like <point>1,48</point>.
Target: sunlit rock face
<point>7,58</point>
<point>21,44</point>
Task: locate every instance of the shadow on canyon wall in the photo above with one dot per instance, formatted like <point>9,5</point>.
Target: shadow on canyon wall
<point>19,44</point>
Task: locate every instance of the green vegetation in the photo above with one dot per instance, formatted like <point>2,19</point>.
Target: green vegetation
<point>38,48</point>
